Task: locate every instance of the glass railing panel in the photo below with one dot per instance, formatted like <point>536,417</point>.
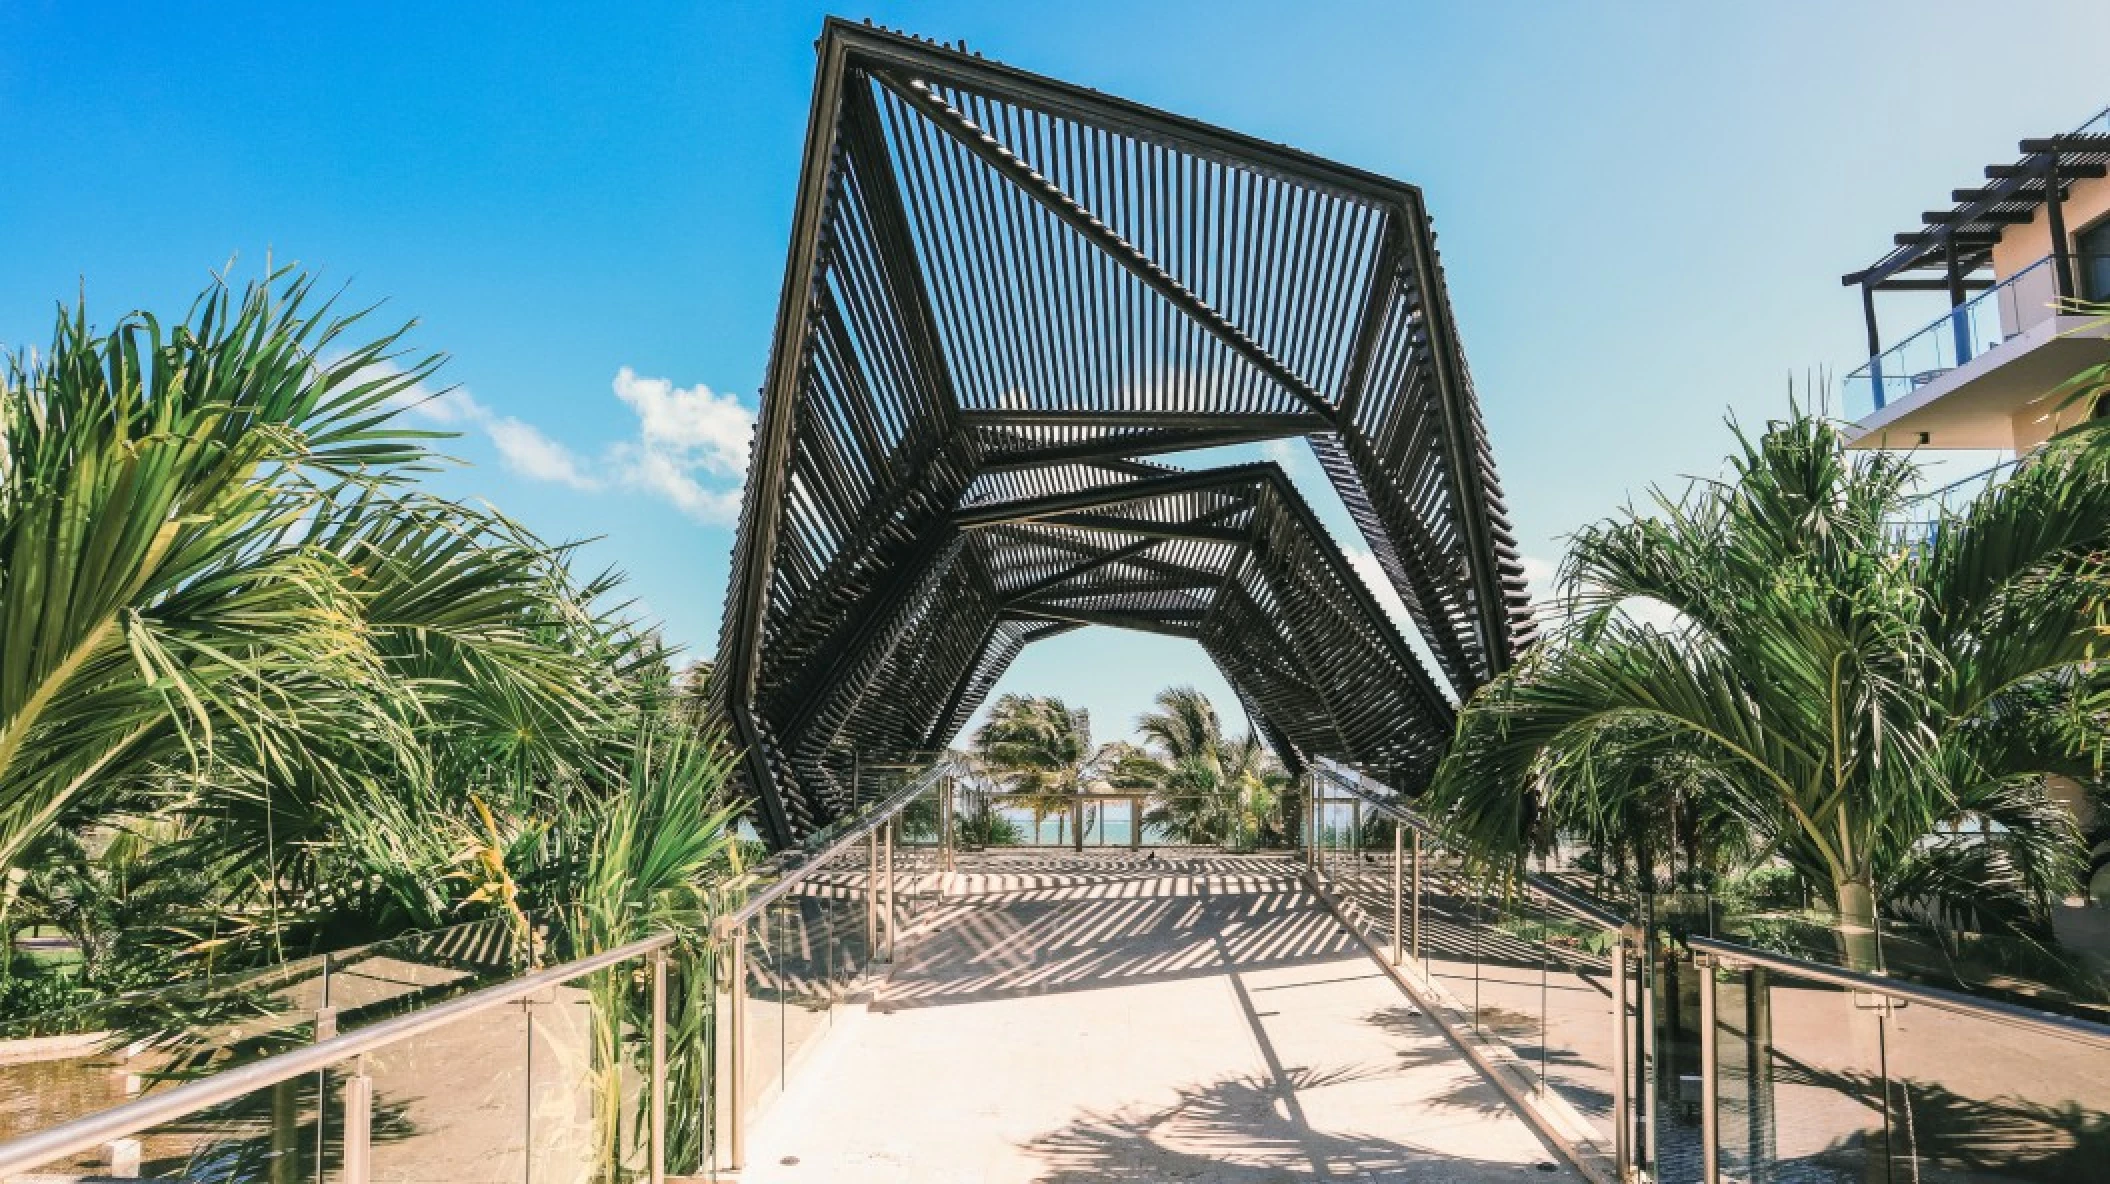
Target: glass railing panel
<point>762,1014</point>
<point>802,923</point>
<point>588,1075</point>
<point>65,1064</point>
<point>1579,1028</point>
<point>266,1136</point>
<point>1802,1071</point>
<point>454,1103</point>
<point>1971,329</point>
<point>388,978</point>
<point>1513,984</point>
<point>1974,1099</point>
<point>1450,928</point>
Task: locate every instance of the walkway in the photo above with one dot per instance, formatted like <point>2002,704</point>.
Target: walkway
<point>1071,1019</point>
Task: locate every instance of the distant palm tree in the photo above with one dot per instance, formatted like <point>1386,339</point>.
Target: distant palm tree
<point>1041,749</point>
<point>1846,701</point>
<point>1210,788</point>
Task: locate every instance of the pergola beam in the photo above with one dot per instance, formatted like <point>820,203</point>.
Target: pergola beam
<point>1098,497</point>
<point>919,95</point>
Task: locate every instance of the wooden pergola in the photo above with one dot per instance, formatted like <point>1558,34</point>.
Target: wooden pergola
<point>1004,294</point>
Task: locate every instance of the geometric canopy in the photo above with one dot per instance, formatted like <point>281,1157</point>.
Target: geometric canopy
<point>1005,296</point>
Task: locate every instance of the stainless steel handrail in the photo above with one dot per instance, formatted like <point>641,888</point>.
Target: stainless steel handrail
<point>881,812</point>
<point>93,1130</point>
<point>2050,1023</point>
<point>1566,901</point>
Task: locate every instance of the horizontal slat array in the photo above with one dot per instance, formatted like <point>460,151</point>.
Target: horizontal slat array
<point>1003,293</point>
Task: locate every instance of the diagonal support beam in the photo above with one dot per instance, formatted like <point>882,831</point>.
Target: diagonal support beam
<point>1099,497</point>
<point>1154,623</point>
<point>953,123</point>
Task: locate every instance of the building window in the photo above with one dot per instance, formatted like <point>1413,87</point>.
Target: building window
<point>2092,260</point>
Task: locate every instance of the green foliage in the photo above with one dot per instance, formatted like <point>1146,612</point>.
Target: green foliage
<point>1823,697</point>
<point>1039,750</point>
<point>1208,787</point>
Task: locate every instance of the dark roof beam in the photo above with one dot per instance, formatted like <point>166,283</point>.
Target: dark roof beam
<point>1079,616</point>
<point>1028,509</point>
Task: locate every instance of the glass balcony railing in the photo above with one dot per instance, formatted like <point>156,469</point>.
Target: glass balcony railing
<point>1971,329</point>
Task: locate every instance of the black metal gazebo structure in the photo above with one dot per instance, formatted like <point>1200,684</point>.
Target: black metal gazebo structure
<point>1006,293</point>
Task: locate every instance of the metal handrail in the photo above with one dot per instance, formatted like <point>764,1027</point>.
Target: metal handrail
<point>2051,1023</point>
<point>1567,901</point>
<point>93,1130</point>
<point>881,812</point>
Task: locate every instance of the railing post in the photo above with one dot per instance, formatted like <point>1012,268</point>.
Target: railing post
<point>1710,1076</point>
<point>1399,889</point>
<point>1622,1074</point>
<point>1651,981</point>
<point>358,1126</point>
<point>658,1116</point>
<point>945,808</point>
<point>872,895</point>
<point>1414,931</point>
<point>887,914</point>
<point>736,1035</point>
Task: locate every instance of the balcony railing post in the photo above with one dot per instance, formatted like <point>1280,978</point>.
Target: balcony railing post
<point>736,1038</point>
<point>658,1116</point>
<point>1651,982</point>
<point>1622,1074</point>
<point>1399,890</point>
<point>358,1126</point>
<point>1414,922</point>
<point>1710,1075</point>
<point>887,914</point>
<point>945,808</point>
<point>872,894</point>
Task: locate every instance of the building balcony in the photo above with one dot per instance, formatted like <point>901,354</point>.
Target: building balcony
<point>1979,376</point>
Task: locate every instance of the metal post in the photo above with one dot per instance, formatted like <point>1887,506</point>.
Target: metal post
<point>736,1036</point>
<point>1710,1076</point>
<point>887,915</point>
<point>358,1126</point>
<point>945,823</point>
<point>1875,343</point>
<point>1414,932</point>
<point>1399,889</point>
<point>2055,219</point>
<point>658,1115</point>
<point>1959,324</point>
<point>872,895</point>
<point>1651,981</point>
<point>1622,1075</point>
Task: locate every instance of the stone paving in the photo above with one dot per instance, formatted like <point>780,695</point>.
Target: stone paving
<point>1107,1017</point>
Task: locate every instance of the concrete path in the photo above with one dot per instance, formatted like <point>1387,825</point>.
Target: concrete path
<point>1067,1019</point>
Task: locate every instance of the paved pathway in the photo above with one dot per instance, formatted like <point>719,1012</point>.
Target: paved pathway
<point>1102,1018</point>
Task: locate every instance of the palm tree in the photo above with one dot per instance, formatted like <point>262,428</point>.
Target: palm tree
<point>160,488</point>
<point>1841,699</point>
<point>1041,748</point>
<point>1211,788</point>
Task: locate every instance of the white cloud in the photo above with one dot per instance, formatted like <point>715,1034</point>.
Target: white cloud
<point>684,433</point>
<point>685,437</point>
<point>522,446</point>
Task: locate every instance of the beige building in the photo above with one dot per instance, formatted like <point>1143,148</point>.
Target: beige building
<point>2016,257</point>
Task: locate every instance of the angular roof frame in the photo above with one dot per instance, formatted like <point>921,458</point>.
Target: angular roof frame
<point>1002,293</point>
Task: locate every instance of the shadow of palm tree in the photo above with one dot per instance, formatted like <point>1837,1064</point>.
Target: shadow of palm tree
<point>1938,1134</point>
<point>1238,1130</point>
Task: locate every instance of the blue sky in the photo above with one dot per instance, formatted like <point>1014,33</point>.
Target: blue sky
<point>1644,210</point>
